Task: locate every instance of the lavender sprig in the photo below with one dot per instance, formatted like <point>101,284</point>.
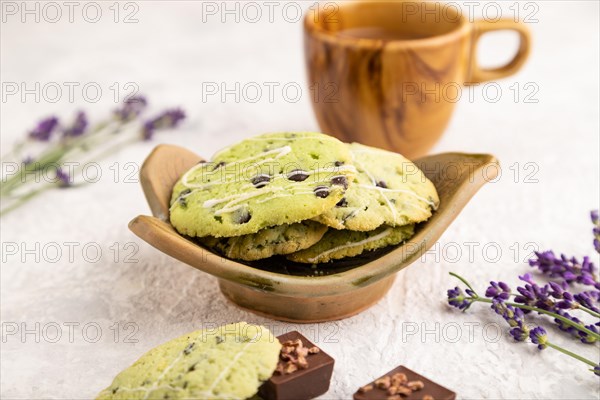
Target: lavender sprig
<point>76,139</point>
<point>456,298</point>
<point>551,297</point>
<point>473,297</point>
<point>44,129</point>
<point>515,318</point>
<point>538,336</point>
<point>513,314</point>
<point>498,291</point>
<point>63,179</point>
<point>568,269</point>
<point>166,120</point>
<point>132,107</point>
<point>78,127</point>
<point>554,296</point>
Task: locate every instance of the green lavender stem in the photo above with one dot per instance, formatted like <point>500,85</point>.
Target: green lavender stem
<point>579,307</point>
<point>16,149</point>
<point>21,200</point>
<point>587,310</point>
<point>542,311</point>
<point>52,156</point>
<point>530,308</point>
<point>571,354</point>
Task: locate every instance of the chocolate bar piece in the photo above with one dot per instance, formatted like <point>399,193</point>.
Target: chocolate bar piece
<point>303,372</point>
<point>403,384</point>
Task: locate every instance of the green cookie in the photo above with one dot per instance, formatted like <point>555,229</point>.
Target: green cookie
<point>264,181</point>
<point>229,362</point>
<point>388,189</point>
<point>337,244</point>
<point>282,239</point>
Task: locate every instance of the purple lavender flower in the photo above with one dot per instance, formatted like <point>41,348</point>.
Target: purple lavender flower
<point>569,269</point>
<point>587,338</point>
<point>63,178</point>
<point>559,292</point>
<point>538,296</point>
<point>594,295</point>
<point>596,230</point>
<point>515,318</point>
<point>498,291</point>
<point>527,278</point>
<point>535,296</point>
<point>512,315</point>
<point>520,333</point>
<point>582,336</point>
<point>132,107</point>
<point>538,336</point>
<point>78,127</point>
<point>567,328</point>
<point>456,298</point>
<point>586,299</point>
<point>554,296</point>
<point>28,160</point>
<point>43,130</point>
<point>168,119</point>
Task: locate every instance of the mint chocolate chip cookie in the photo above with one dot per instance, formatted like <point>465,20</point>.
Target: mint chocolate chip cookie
<point>282,239</point>
<point>229,362</point>
<point>388,189</point>
<point>264,181</point>
<point>337,244</point>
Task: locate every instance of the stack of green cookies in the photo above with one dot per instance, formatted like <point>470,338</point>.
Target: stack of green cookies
<point>306,196</point>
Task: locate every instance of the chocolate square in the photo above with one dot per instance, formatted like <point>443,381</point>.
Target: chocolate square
<point>303,383</point>
<point>431,390</point>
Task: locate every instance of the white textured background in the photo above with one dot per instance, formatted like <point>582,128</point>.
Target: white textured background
<point>169,53</point>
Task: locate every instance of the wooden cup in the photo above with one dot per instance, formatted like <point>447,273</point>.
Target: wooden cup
<point>396,92</point>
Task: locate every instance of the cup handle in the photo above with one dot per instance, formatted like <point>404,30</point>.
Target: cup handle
<point>478,74</point>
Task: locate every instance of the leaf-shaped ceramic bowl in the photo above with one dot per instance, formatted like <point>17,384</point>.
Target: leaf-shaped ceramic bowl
<point>288,291</point>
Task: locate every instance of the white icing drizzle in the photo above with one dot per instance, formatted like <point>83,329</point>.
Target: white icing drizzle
<point>204,394</point>
<point>366,172</point>
<point>236,198</point>
<point>389,204</point>
<point>280,152</point>
<point>226,370</point>
<point>185,178</point>
<point>382,191</point>
<point>374,181</point>
<point>275,138</point>
<point>351,244</point>
<point>431,203</point>
<point>162,375</point>
<point>352,214</point>
<point>276,196</point>
<point>232,203</point>
<point>233,200</point>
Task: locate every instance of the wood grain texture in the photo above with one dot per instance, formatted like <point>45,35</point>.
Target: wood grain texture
<point>457,178</point>
<point>161,169</point>
<point>395,94</point>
